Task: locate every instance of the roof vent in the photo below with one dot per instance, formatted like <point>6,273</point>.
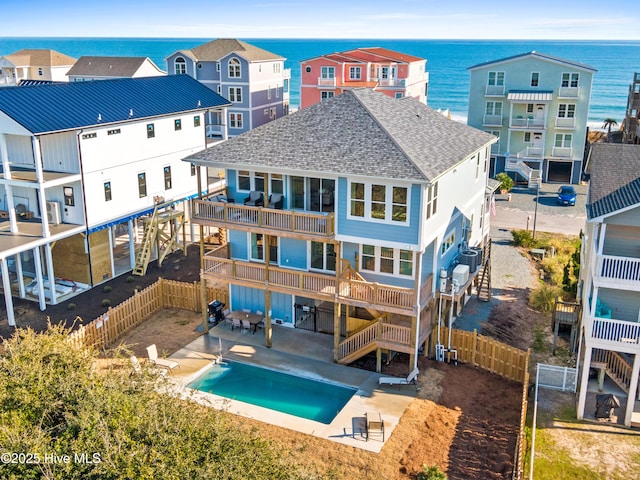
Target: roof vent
<point>130,112</point>
<point>99,118</point>
<point>199,104</point>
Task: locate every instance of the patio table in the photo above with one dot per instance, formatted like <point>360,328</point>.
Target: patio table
<point>253,318</point>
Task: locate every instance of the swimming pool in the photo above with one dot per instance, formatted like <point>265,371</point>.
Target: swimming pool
<point>278,391</point>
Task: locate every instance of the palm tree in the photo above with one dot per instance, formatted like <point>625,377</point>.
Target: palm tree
<point>608,123</point>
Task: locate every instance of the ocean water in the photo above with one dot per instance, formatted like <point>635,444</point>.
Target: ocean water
<point>447,61</point>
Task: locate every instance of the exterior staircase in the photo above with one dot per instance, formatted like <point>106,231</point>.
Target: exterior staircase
<point>351,274</point>
<point>618,368</point>
<point>148,241</point>
<point>380,334</point>
<point>532,176</point>
<point>483,288</point>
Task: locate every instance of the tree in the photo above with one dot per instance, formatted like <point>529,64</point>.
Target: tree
<point>608,123</point>
<point>56,399</point>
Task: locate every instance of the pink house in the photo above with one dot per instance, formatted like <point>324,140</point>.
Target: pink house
<point>392,73</point>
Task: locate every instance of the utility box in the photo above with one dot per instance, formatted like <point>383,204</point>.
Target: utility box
<point>460,274</point>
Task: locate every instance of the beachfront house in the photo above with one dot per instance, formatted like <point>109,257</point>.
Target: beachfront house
<point>252,79</point>
<point>538,106</point>
<point>341,216</point>
<point>89,68</point>
<point>84,166</point>
<point>34,64</point>
<point>610,279</point>
<point>395,74</point>
<point>631,126</point>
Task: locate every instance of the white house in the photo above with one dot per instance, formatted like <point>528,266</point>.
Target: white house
<point>101,68</point>
<point>82,164</point>
<point>34,64</point>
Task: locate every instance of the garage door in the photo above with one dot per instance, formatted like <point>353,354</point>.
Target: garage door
<point>559,172</point>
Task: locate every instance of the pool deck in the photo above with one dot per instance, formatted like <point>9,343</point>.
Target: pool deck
<point>305,354</point>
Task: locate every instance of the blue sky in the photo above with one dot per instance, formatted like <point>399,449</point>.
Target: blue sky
<point>485,19</point>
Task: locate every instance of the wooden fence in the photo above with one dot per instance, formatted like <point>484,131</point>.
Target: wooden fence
<point>118,320</point>
<point>521,443</point>
<point>486,353</point>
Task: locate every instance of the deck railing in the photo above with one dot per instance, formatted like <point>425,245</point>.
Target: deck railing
<point>381,331</point>
<point>616,366</point>
<point>568,92</point>
<point>230,214</point>
<point>618,271</point>
<point>565,122</point>
<point>625,334</point>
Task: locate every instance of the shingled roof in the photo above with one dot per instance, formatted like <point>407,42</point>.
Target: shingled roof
<point>615,178</point>
<point>538,55</point>
<point>39,57</point>
<point>109,66</point>
<point>217,49</point>
<point>69,106</point>
<point>360,132</point>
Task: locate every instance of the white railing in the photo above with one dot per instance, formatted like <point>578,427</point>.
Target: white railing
<point>518,166</point>
<point>618,271</point>
<point>326,82</point>
<point>494,90</point>
<point>527,122</point>
<point>625,334</point>
<point>564,122</point>
<point>530,152</point>
<point>492,120</point>
<point>562,152</point>
<point>557,378</point>
<point>568,92</point>
<point>286,73</point>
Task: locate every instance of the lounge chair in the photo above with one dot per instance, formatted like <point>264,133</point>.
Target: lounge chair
<point>375,424</point>
<point>152,351</point>
<point>137,368</point>
<point>411,378</point>
<point>255,199</point>
<point>276,200</point>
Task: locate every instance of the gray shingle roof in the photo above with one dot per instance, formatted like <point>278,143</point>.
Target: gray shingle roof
<point>360,132</point>
<point>541,56</point>
<point>108,66</point>
<point>615,178</point>
<point>217,49</point>
<point>39,57</point>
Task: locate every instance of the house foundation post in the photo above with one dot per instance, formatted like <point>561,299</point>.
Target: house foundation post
<point>584,382</point>
<point>631,398</point>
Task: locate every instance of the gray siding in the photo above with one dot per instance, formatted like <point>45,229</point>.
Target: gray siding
<point>630,217</point>
<point>624,305</point>
<point>622,241</point>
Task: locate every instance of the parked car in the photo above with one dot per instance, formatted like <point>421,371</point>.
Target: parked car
<point>566,195</point>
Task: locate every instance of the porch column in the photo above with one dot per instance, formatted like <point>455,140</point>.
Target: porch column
<point>4,156</point>
<point>21,291</point>
<point>111,259</point>
<point>337,313</point>
<point>132,244</point>
<point>42,200</point>
<point>584,382</point>
<point>602,234</point>
<point>268,331</point>
<point>8,299</point>
<point>416,321</point>
<point>51,274</point>
<point>631,398</point>
<point>37,261</point>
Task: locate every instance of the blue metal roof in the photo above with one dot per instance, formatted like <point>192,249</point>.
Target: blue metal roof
<point>68,106</point>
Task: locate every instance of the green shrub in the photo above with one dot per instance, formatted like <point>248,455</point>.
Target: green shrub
<point>107,289</point>
<point>522,238</point>
<point>543,298</point>
<point>432,473</point>
<point>71,306</point>
<point>105,302</point>
<point>506,182</point>
<point>130,279</point>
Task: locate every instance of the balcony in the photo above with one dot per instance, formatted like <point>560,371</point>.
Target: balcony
<point>563,152</point>
<point>617,272</point>
<point>327,82</point>
<point>530,152</point>
<point>494,91</point>
<point>527,123</point>
<point>492,121</point>
<point>286,223</point>
<point>327,287</point>
<point>564,122</point>
<point>286,73</point>
<point>568,92</point>
<point>495,148</point>
<point>611,334</point>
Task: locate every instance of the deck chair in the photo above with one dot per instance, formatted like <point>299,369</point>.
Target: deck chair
<point>152,351</point>
<point>246,325</point>
<point>137,368</point>
<point>255,199</point>
<point>261,323</point>
<point>225,315</point>
<point>235,323</point>
<point>375,424</point>
<point>276,200</point>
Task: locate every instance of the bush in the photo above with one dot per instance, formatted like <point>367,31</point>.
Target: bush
<point>107,289</point>
<point>543,298</point>
<point>506,182</point>
<point>432,473</point>
<point>130,279</point>
<point>71,306</point>
<point>522,238</point>
<point>105,302</point>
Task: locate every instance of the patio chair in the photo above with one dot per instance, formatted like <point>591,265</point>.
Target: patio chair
<point>152,351</point>
<point>276,200</point>
<point>246,325</point>
<point>261,323</point>
<point>235,323</point>
<point>137,368</point>
<point>225,316</point>
<point>375,424</point>
<point>255,199</point>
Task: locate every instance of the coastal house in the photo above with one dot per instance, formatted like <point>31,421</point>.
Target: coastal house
<point>538,106</point>
<point>341,216</point>
<point>393,73</point>
<point>610,277</point>
<point>87,168</point>
<point>252,79</point>
<point>34,64</point>
<point>89,68</point>
<point>631,126</point>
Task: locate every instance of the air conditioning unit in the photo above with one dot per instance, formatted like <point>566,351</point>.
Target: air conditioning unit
<point>53,213</point>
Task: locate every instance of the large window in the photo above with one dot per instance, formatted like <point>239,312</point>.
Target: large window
<point>323,256</point>
<point>379,202</point>
<point>355,73</point>
<point>234,68</point>
<point>386,260</point>
<point>248,181</point>
<point>563,140</point>
<point>496,79</point>
<point>570,79</point>
<point>235,94</point>
<point>327,72</point>
<point>566,110</point>
<point>142,184</point>
<point>326,95</point>
<point>494,108</point>
<point>258,248</point>
<point>180,66</point>
<point>235,120</point>
<point>432,200</point>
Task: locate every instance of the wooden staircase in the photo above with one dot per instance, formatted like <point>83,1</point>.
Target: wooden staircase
<point>618,368</point>
<point>379,334</point>
<point>351,274</point>
<point>483,288</point>
<point>148,241</point>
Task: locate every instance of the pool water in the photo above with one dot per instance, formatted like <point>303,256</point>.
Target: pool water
<point>278,391</point>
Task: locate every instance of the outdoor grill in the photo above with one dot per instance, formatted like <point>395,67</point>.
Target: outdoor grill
<point>215,311</point>
<point>605,405</point>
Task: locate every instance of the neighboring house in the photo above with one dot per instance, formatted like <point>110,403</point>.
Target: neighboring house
<point>103,68</point>
<point>538,105</point>
<point>395,74</point>
<point>34,64</point>
<point>631,127</point>
<point>82,164</point>
<point>610,276</point>
<point>359,202</point>
<point>252,79</point>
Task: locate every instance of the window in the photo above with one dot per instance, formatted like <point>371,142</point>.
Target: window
<point>355,73</point>
<point>180,66</point>
<point>196,121</point>
<point>327,72</point>
<point>529,107</point>
<point>151,132</point>
<point>234,68</point>
<point>235,120</point>
<point>113,132</point>
<point>219,89</point>
<point>142,184</point>
<point>244,180</point>
<point>535,79</point>
<point>258,181</point>
<point>307,69</point>
<point>386,260</point>
<point>193,170</point>
<point>69,200</point>
<point>563,140</point>
<point>235,94</point>
<point>177,124</point>
<point>496,79</point>
<point>570,79</point>
<point>248,181</point>
<point>326,95</point>
<point>384,73</point>
<point>399,95</point>
<point>272,113</point>
<point>258,246</point>
<point>199,65</point>
<point>217,66</point>
<point>447,243</point>
<point>494,108</point>
<point>432,200</point>
<point>276,67</point>
<point>566,110</point>
<point>477,157</point>
<point>323,256</point>
<point>86,136</point>
<point>107,191</point>
<point>277,184</point>
<point>277,91</point>
<point>167,178</point>
<point>527,137</point>
<point>40,72</point>
<point>379,202</point>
